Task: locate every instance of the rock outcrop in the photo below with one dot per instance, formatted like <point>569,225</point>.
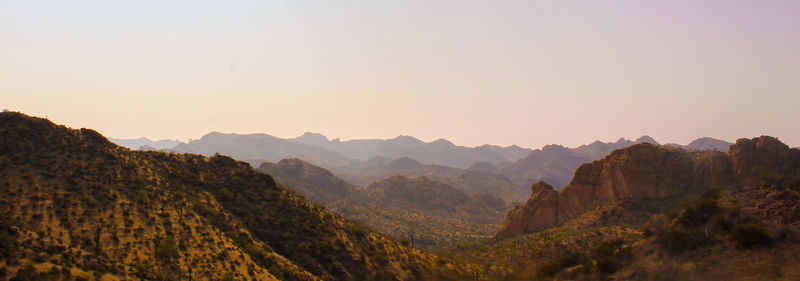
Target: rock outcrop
<point>647,171</point>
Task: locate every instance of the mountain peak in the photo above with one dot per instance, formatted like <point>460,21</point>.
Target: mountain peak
<point>443,142</point>
<point>647,139</point>
<point>406,139</point>
<point>312,139</point>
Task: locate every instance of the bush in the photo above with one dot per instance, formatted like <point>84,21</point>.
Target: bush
<point>748,235</point>
<point>167,249</point>
<point>610,256</point>
<point>676,241</point>
<point>559,263</point>
<point>699,212</point>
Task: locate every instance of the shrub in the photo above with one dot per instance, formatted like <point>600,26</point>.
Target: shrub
<point>676,241</point>
<point>748,235</point>
<point>167,249</point>
<point>559,263</point>
<point>699,212</point>
<point>609,256</point>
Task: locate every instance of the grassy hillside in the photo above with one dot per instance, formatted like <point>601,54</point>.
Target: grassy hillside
<point>74,204</point>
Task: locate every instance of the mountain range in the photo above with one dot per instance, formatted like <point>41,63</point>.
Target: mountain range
<point>145,143</point>
<point>555,163</point>
<point>364,161</point>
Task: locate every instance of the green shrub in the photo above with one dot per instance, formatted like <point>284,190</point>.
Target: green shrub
<point>748,235</point>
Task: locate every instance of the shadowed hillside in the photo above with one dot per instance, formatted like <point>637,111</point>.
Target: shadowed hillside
<point>470,182</point>
<point>74,204</point>
<point>419,210</point>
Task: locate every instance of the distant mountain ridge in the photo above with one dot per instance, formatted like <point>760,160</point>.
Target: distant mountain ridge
<point>555,164</point>
<point>318,149</point>
<point>145,142</point>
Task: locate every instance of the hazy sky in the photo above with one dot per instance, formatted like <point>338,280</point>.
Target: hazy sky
<point>502,72</point>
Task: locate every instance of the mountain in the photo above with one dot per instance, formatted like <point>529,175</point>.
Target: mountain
<point>317,149</point>
<point>74,205</point>
<point>425,212</point>
<point>553,163</point>
<point>470,182</point>
<point>646,171</point>
<point>140,142</point>
<point>439,152</point>
<point>257,148</point>
<point>431,214</point>
<point>705,143</point>
<point>650,212</point>
<point>313,182</point>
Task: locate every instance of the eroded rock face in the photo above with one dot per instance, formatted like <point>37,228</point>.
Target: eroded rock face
<point>540,212</point>
<point>764,161</point>
<point>646,171</point>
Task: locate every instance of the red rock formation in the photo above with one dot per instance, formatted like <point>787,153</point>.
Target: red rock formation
<point>646,171</point>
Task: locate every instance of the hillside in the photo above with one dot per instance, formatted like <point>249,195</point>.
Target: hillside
<point>658,213</point>
<point>74,204</point>
<point>313,182</point>
<point>419,210</point>
<point>425,212</point>
<point>470,182</point>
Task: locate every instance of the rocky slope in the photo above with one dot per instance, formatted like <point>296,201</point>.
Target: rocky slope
<point>646,171</point>
<point>74,205</point>
<point>554,164</point>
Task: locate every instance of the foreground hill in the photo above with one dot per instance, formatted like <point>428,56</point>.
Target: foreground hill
<point>74,205</point>
<point>420,210</point>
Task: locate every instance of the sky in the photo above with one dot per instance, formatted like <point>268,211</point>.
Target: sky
<point>529,73</point>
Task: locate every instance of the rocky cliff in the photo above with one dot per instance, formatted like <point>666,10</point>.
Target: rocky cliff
<point>647,171</point>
